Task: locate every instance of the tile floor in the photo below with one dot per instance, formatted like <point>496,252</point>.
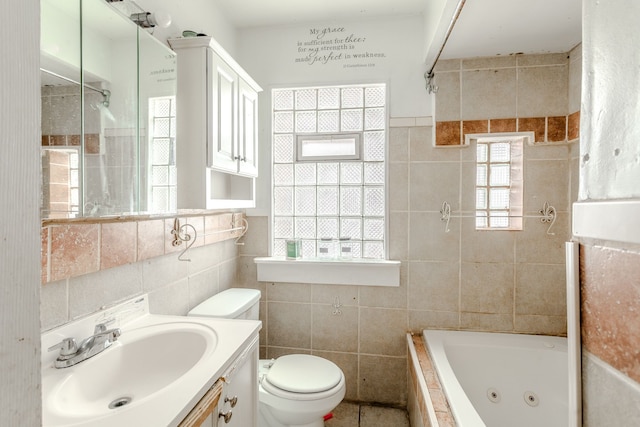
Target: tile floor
<point>353,415</point>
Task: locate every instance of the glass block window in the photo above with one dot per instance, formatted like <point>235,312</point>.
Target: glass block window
<point>329,171</point>
<point>162,149</point>
<point>499,183</point>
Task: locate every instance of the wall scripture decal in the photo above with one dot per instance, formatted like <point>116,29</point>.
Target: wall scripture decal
<point>336,45</point>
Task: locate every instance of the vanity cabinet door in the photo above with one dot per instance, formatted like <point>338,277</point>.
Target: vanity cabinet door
<point>238,405</point>
<point>222,115</point>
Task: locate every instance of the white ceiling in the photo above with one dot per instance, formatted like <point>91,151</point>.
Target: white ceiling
<point>484,28</point>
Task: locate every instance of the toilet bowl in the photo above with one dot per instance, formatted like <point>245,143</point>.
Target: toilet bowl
<point>298,390</point>
<point>295,390</point>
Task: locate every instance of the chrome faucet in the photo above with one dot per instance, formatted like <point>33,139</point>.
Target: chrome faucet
<point>72,354</point>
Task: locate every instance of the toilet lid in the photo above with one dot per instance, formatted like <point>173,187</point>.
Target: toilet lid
<point>303,373</point>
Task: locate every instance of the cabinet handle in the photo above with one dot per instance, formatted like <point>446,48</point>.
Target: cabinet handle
<point>226,415</point>
<point>232,401</point>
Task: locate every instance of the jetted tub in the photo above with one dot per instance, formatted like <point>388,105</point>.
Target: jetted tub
<point>502,380</point>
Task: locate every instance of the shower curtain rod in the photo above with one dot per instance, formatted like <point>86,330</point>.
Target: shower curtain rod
<point>428,75</point>
<point>105,92</point>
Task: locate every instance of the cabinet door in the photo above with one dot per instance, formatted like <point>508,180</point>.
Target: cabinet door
<point>222,116</point>
<point>240,393</point>
<point>248,130</point>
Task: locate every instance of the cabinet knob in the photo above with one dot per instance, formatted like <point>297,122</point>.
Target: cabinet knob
<point>232,401</point>
<point>226,415</point>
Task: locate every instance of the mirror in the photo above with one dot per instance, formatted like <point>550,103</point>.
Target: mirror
<point>108,113</point>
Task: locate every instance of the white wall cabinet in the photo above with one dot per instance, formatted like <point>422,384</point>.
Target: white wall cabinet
<point>217,127</point>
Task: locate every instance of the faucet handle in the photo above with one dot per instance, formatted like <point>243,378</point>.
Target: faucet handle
<point>102,326</point>
<point>67,346</point>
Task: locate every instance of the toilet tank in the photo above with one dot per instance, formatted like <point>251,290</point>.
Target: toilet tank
<point>234,303</point>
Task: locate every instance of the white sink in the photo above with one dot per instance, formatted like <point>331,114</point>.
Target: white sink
<point>142,363</point>
<point>153,375</point>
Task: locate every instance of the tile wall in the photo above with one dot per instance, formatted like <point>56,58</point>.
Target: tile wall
<point>610,297</point>
<point>506,281</point>
<point>507,94</point>
<point>87,265</point>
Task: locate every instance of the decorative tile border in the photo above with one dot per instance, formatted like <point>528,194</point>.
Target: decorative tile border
<point>77,247</point>
<point>547,130</point>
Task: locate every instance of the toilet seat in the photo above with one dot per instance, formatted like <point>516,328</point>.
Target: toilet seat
<point>302,377</point>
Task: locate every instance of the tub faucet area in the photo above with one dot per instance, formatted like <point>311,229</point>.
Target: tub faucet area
<point>72,354</point>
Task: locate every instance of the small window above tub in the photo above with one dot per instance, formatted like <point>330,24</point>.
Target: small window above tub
<point>499,180</point>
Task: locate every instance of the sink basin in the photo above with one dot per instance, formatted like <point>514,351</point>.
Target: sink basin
<point>142,363</point>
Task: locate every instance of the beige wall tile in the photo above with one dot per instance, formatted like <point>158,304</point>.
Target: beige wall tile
<point>289,325</point>
<point>327,294</point>
<point>386,297</point>
<point>541,289</point>
<point>609,398</point>
<point>489,62</point>
<point>383,379</point>
<point>248,275</point>
<point>54,304</point>
<point>431,184</point>
<point>533,244</point>
<point>546,151</point>
<point>202,286</point>
<point>399,182</point>
<point>542,59</point>
<point>486,322</point>
<point>546,181</point>
<point>447,97</point>
<point>161,271</point>
<point>256,240</point>
<point>538,89</point>
<point>434,286</point>
<point>422,147</point>
<point>334,332</point>
<point>348,363</point>
<point>398,239</point>
<point>486,246</point>
<point>228,274</point>
<point>489,94</point>
<point>426,319</point>
<point>448,65</point>
<point>275,352</point>
<point>171,300</point>
<point>382,331</point>
<point>541,325</point>
<point>398,144</point>
<point>487,288</point>
<point>90,292</point>
<point>288,292</point>
<point>428,239</point>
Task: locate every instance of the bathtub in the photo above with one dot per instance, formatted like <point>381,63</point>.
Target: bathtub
<point>501,380</point>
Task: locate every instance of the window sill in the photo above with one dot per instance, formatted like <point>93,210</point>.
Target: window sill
<point>363,272</point>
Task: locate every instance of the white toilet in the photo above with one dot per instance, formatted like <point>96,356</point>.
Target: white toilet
<point>295,390</point>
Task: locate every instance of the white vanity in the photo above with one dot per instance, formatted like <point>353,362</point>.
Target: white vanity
<point>159,370</point>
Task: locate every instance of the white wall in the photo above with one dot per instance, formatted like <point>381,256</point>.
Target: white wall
<point>202,16</point>
<point>610,146</point>
<point>20,225</point>
<point>282,57</point>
